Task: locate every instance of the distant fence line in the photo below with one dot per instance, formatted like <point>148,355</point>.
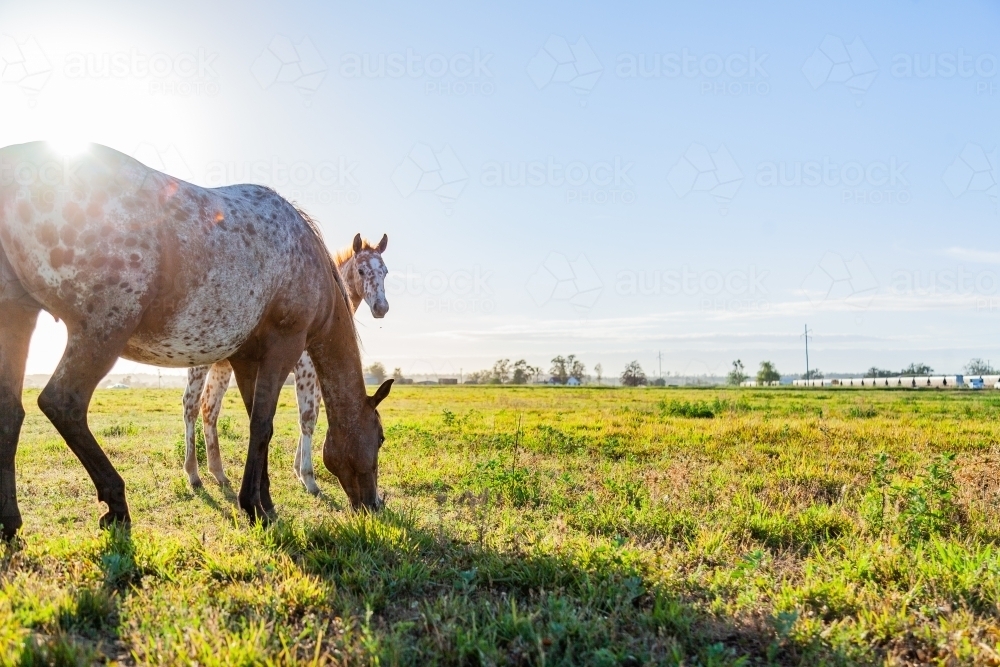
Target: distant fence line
<point>932,381</point>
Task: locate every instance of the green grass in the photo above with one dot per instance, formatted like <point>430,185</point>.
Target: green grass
<point>531,526</point>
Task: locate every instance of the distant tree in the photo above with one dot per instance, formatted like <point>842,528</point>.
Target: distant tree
<point>377,371</point>
<point>813,374</point>
<point>575,368</point>
<point>127,380</point>
<point>501,372</point>
<point>559,372</point>
<point>397,373</point>
<point>633,376</point>
<point>598,369</point>
<point>478,377</point>
<point>736,376</point>
<point>917,369</point>
<point>523,372</point>
<point>767,373</point>
<point>979,367</point>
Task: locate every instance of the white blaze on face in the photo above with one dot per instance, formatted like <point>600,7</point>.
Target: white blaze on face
<point>373,282</point>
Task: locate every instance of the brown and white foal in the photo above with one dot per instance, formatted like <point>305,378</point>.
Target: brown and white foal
<point>364,272</point>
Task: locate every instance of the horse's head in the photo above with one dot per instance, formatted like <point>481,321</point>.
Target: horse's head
<point>351,452</point>
<point>371,274</point>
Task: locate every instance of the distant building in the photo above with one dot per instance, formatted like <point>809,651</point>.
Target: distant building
<point>572,382</point>
<point>447,380</point>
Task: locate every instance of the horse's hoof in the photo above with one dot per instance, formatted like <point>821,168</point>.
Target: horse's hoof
<point>312,489</point>
<point>119,519</point>
<point>196,484</point>
<point>11,524</point>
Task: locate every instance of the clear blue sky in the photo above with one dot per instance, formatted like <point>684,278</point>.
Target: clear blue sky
<point>699,179</point>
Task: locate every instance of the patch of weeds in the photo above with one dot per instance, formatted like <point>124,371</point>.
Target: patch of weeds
<point>120,430</point>
<point>915,509</point>
<point>58,650</point>
<point>227,428</point>
<point>690,409</point>
<point>862,410</point>
<point>816,524</point>
<point>514,484</point>
<point>551,440</point>
<point>91,612</point>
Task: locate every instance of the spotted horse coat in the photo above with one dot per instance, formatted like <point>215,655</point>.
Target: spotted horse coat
<point>364,272</point>
<point>147,267</point>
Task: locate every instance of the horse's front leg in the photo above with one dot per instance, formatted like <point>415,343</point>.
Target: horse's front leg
<point>260,385</point>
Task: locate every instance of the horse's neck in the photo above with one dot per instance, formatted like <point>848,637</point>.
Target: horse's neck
<point>338,361</point>
<point>350,276</point>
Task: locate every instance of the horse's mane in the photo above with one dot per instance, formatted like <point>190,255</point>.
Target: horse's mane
<point>345,254</point>
<point>317,235</point>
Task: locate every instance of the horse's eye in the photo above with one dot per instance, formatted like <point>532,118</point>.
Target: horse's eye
<point>361,271</point>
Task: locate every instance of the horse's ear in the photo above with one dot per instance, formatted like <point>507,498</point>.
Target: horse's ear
<point>381,393</point>
<point>357,243</point>
<point>383,243</point>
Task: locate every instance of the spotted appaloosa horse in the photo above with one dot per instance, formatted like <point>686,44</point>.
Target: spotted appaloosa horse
<point>144,266</point>
<point>363,271</point>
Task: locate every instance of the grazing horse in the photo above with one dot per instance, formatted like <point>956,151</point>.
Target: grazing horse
<point>363,272</point>
<point>144,266</point>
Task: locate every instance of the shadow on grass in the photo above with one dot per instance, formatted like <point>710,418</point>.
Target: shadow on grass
<point>85,629</point>
<point>414,594</point>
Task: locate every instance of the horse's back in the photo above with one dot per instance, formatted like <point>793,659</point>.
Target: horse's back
<point>104,240</point>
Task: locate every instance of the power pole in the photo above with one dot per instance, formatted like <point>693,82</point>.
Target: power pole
<point>805,334</point>
<point>659,359</point>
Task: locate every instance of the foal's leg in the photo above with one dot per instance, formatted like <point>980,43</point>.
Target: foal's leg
<point>16,325</point>
<point>191,400</point>
<point>281,356</point>
<point>211,406</point>
<point>65,401</point>
<point>308,397</point>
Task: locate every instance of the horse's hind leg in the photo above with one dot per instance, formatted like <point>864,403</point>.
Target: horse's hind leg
<point>211,406</point>
<point>16,324</point>
<point>191,401</point>
<point>308,397</point>
<point>65,401</point>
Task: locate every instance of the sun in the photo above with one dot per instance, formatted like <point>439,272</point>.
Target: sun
<point>68,146</point>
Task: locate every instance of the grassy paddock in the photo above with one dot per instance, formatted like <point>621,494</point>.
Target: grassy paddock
<point>532,526</point>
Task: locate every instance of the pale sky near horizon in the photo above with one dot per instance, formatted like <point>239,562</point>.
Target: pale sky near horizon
<point>614,180</point>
